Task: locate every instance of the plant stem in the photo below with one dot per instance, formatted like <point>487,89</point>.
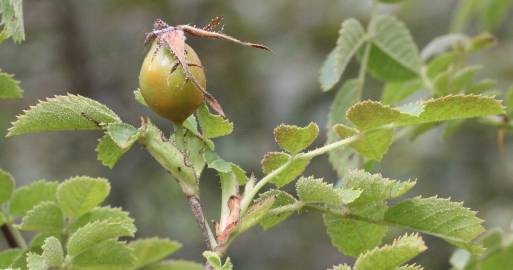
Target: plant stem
<point>248,198</point>
<point>13,237</point>
<point>197,210</point>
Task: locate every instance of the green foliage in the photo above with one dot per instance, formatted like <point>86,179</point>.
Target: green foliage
<point>213,126</point>
<point>80,194</point>
<point>281,198</point>
<point>291,168</point>
<point>295,139</point>
<point>312,190</point>
<point>107,255</point>
<point>108,151</point>
<point>6,186</point>
<point>394,55</point>
<point>216,262</point>
<point>106,213</point>
<point>390,257</point>
<point>25,198</point>
<point>256,213</point>
<point>9,87</point>
<point>70,112</point>
<point>9,256</point>
<point>12,19</point>
<point>441,217</point>
<point>175,265</point>
<point>45,217</point>
<point>151,250</point>
<point>53,254</point>
<point>351,37</point>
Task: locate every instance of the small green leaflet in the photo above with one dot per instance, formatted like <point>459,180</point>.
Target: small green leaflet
<point>214,260</point>
<point>312,190</point>
<point>109,254</point>
<point>290,170</point>
<point>213,126</point>
<point>390,257</point>
<point>108,152</point>
<point>53,254</point>
<point>9,256</point>
<point>295,139</point>
<point>70,112</point>
<point>255,214</point>
<point>150,250</point>
<point>45,217</point>
<point>106,213</point>
<point>78,195</point>
<point>26,197</point>
<point>282,198</point>
<point>6,186</point>
<point>352,36</point>
<point>12,19</point>
<point>9,87</point>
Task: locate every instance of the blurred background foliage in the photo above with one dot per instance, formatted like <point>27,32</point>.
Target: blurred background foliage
<point>95,48</point>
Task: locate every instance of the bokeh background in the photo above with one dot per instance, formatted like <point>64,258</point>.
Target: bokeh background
<point>95,47</point>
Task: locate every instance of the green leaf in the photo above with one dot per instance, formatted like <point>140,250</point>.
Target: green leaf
<point>255,214</point>
<point>396,92</point>
<point>53,254</point>
<point>175,265</point>
<point>372,144</point>
<point>494,14</point>
<point>150,250</point>
<point>390,257</point>
<point>295,139</point>
<point>439,217</point>
<point>351,37</point>
<point>213,126</point>
<point>35,262</point>
<point>70,112</point>
<point>80,194</point>
<point>375,187</point>
<point>6,186</point>
<point>352,237</point>
<point>45,217</point>
<point>441,63</point>
<point>106,213</point>
<point>498,259</point>
<point>107,255</point>
<point>9,87</point>
<point>312,190</point>
<point>214,161</point>
<point>343,158</point>
<point>291,170</point>
<point>108,152</point>
<point>124,135</point>
<point>214,260</point>
<point>26,197</point>
<point>9,256</point>
<point>96,232</point>
<point>139,98</point>
<point>12,19</point>
<point>394,55</point>
<point>411,267</point>
<point>281,198</point>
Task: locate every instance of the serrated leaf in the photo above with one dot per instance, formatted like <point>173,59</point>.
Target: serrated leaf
<point>78,195</point>
<point>45,217</point>
<point>25,198</point>
<point>291,170</point>
<point>175,265</point>
<point>9,256</point>
<point>9,87</point>
<point>35,262</point>
<point>6,186</point>
<point>282,198</point>
<point>411,267</point>
<point>107,255</point>
<point>70,112</point>
<point>215,261</point>
<point>375,187</point>
<point>93,233</point>
<point>440,217</point>
<point>395,92</point>
<point>212,125</point>
<point>12,19</point>
<point>214,161</point>
<point>372,144</point>
<point>53,254</point>
<point>343,158</point>
<point>315,190</point>
<point>390,257</point>
<point>106,213</point>
<point>352,237</point>
<point>352,36</point>
<point>124,135</point>
<point>108,152</point>
<point>394,55</point>
<point>255,214</point>
<point>295,139</point>
<point>150,250</point>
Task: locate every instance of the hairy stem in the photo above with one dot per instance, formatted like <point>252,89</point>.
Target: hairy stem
<point>248,198</point>
<point>197,210</point>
